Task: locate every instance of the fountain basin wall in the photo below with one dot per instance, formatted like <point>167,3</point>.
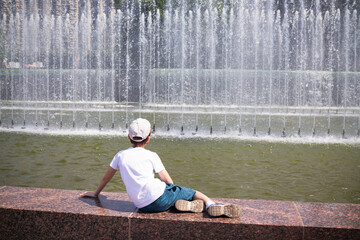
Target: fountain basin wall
<point>34,213</point>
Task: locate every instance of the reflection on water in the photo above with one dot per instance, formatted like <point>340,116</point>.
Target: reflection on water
<point>230,168</point>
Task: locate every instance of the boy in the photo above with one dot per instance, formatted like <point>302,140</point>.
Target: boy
<point>150,194</point>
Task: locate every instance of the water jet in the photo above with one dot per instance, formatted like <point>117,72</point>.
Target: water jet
<point>192,64</point>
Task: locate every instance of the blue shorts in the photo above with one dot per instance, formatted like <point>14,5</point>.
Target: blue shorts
<point>171,194</point>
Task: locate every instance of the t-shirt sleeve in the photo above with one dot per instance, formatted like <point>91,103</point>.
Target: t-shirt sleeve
<point>157,164</point>
<point>115,162</point>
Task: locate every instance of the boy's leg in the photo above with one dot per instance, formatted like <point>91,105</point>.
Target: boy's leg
<point>197,205</point>
<point>200,195</point>
<point>214,209</point>
<point>229,210</point>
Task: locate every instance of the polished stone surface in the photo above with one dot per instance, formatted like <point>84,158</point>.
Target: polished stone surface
<point>259,220</point>
<point>330,220</point>
<point>34,213</point>
<point>67,201</point>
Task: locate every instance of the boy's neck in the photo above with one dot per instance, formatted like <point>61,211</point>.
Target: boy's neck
<point>138,146</point>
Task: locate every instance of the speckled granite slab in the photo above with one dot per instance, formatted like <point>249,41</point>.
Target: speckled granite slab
<point>34,213</point>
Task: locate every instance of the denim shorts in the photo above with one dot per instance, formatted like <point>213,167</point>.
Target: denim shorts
<point>171,194</point>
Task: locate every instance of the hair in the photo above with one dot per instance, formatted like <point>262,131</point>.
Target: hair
<point>143,142</point>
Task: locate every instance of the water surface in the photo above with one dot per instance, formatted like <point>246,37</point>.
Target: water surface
<point>229,168</point>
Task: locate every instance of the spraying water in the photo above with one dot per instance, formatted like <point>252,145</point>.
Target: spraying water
<point>253,68</point>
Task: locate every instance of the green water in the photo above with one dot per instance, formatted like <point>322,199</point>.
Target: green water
<point>229,168</point>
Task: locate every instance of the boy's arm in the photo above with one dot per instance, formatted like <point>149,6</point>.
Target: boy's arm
<point>107,177</point>
<point>165,177</point>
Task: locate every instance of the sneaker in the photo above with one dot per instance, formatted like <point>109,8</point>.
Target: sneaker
<point>229,210</point>
<point>190,206</point>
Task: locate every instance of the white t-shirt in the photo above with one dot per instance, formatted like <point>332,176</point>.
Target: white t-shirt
<point>137,166</point>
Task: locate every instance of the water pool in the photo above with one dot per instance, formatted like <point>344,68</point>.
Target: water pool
<point>219,167</point>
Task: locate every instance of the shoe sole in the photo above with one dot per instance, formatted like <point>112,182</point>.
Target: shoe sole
<point>195,206</point>
<point>229,210</point>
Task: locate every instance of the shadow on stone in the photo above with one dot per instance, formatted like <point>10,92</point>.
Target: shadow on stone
<point>112,204</point>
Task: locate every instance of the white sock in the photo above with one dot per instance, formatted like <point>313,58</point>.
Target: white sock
<point>209,203</point>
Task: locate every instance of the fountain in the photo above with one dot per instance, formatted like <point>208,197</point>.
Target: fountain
<point>245,87</point>
<point>234,68</point>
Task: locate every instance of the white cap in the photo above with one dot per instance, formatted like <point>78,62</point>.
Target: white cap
<point>139,130</point>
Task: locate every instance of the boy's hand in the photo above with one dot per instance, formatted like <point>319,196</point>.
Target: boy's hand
<point>107,177</point>
<point>89,194</point>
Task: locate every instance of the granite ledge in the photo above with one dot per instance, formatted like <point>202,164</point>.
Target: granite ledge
<point>38,213</point>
